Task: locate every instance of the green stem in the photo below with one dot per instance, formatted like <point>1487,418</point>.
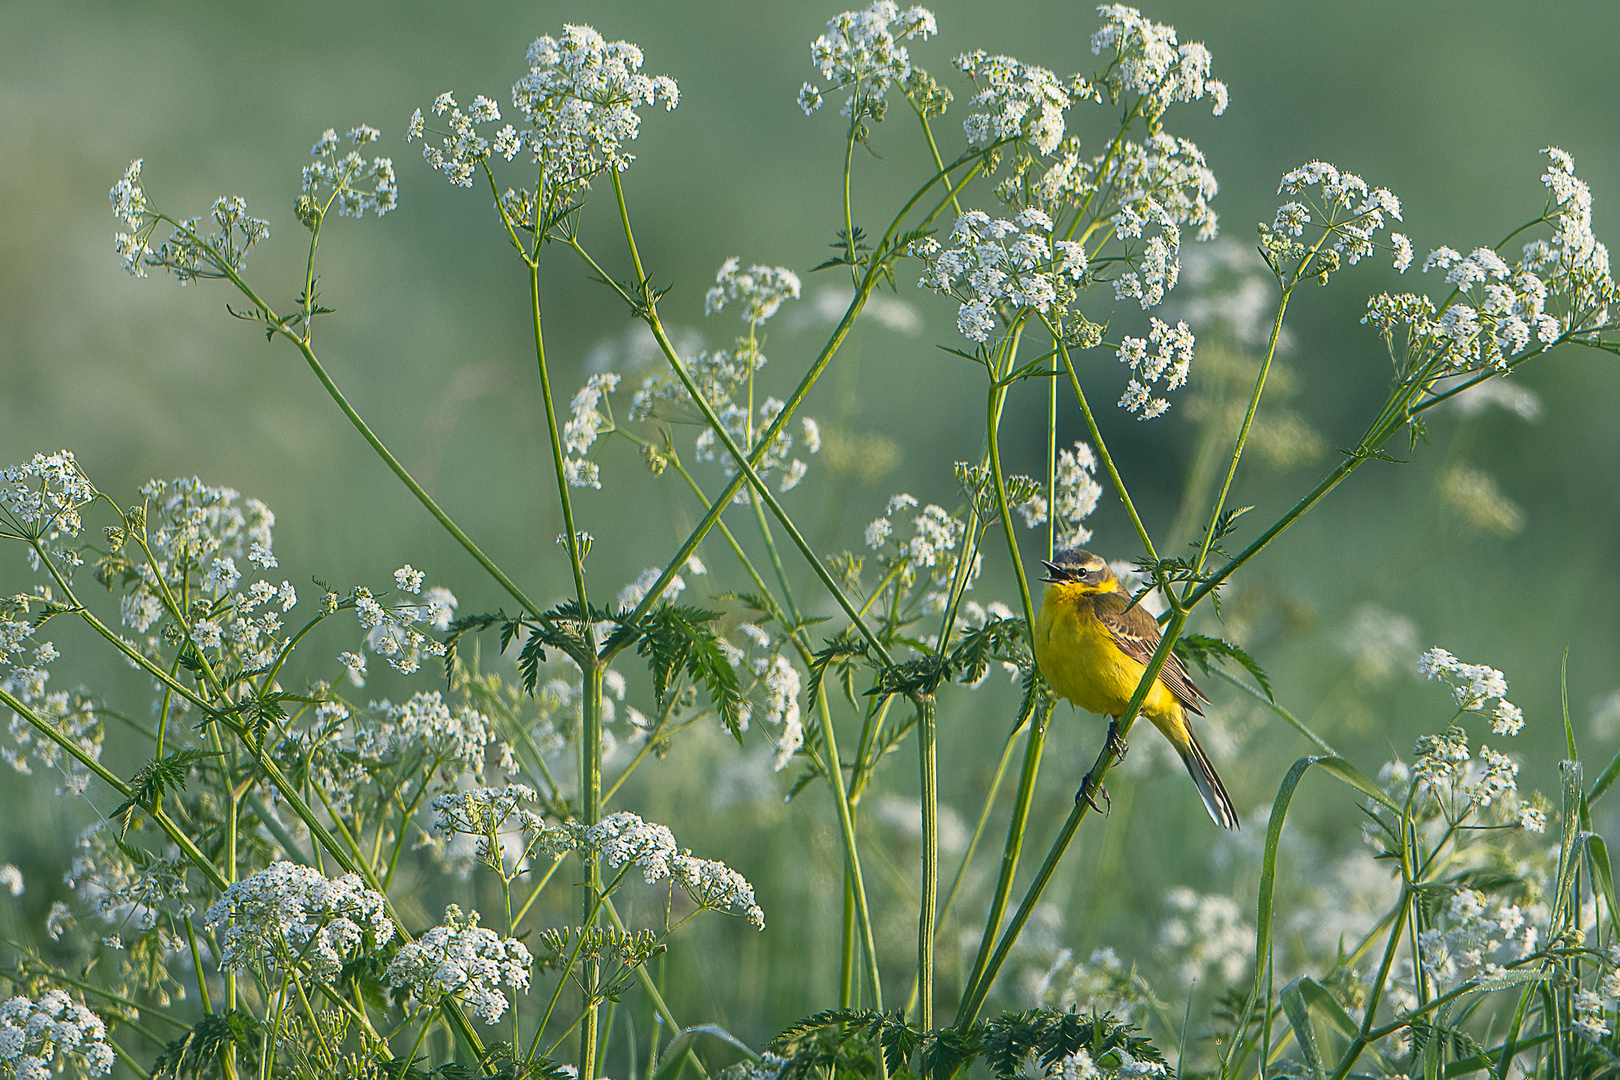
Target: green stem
<point>559,462</point>
<point>1242,437</point>
<point>852,859</point>
<point>1011,853</point>
<point>930,858</point>
<point>1090,786</point>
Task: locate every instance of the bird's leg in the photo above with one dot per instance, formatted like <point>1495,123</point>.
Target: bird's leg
<point>1089,790</point>
<point>1116,742</point>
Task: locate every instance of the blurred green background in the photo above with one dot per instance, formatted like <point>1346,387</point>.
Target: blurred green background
<point>1448,104</point>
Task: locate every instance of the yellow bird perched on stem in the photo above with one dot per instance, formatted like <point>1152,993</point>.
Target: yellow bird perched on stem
<point>1093,646</point>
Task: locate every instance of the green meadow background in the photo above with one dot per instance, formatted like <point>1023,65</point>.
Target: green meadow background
<point>1448,104</point>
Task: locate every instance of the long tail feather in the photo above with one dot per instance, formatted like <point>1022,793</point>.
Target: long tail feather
<point>1210,788</point>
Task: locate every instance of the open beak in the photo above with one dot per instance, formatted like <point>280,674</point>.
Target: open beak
<point>1052,572</point>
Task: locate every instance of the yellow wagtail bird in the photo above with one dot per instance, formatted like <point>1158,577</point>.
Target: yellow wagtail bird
<point>1093,646</point>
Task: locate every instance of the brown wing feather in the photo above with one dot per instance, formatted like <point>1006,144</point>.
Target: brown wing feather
<point>1137,634</point>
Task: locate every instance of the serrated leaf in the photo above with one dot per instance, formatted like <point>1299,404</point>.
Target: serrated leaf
<point>1201,649</point>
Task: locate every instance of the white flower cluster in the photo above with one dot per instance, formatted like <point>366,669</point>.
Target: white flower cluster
<point>463,960</point>
<point>287,913</point>
<point>623,839</point>
<point>459,742</point>
<point>1076,495</point>
<point>861,53</point>
<point>991,262</point>
<point>1589,1020</point>
<point>345,176</point>
<point>1149,61</point>
<point>781,682</point>
<point>486,812</point>
<point>1559,286</point>
<point>1348,209</point>
<point>1474,686</point>
<point>393,631</point>
<point>580,99</point>
<point>38,1038</point>
<point>933,548</point>
<point>1018,101</point>
<point>461,149</point>
<point>1574,261</point>
<point>1170,360</point>
<point>760,290</point>
<point>779,456</point>
<point>188,254</point>
<point>41,499</point>
<point>1481,935</point>
<point>125,894</point>
<point>578,102</point>
<point>589,416</point>
<point>1101,982</point>
<point>1508,308</point>
<point>1206,933</point>
<point>24,674</point>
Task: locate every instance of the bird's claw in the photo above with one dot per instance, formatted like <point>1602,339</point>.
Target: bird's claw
<point>1089,790</point>
<point>1116,742</point>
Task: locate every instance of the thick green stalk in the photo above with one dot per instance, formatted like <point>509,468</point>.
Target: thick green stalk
<point>559,455</point>
<point>1011,852</point>
<point>852,859</point>
<point>930,858</point>
<point>590,797</point>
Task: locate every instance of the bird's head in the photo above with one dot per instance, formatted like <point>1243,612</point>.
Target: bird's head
<point>1077,572</point>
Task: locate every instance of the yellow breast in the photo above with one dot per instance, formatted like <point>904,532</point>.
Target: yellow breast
<point>1081,660</point>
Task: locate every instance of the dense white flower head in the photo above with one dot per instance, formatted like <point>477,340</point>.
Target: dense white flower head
<point>1149,61</point>
<point>463,960</point>
<point>624,841</point>
<point>578,103</point>
<point>1504,311</point>
<point>861,53</point>
<point>992,262</point>
<point>759,289</point>
<point>1017,101</point>
<point>1165,354</point>
<point>37,1039</point>
<point>1475,686</point>
<point>580,99</point>
<point>289,914</point>
<point>344,175</point>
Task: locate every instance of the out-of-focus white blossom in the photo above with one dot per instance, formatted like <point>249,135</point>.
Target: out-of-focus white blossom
<point>37,1039</point>
<point>760,290</point>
